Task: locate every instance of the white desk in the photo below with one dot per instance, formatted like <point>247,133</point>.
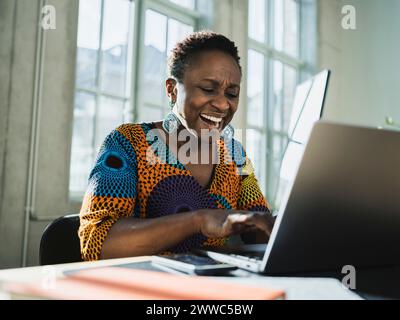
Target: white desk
<point>295,288</point>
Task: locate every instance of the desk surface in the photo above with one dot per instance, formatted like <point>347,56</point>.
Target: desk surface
<point>295,288</point>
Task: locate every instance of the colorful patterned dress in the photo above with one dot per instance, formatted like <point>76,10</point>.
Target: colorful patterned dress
<point>124,183</point>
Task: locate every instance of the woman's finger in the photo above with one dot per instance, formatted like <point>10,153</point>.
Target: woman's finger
<point>261,222</point>
<point>241,221</point>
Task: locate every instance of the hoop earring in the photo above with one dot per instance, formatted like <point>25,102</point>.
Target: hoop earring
<point>228,132</point>
<point>171,121</point>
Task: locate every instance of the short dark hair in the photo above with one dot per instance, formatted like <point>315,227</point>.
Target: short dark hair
<point>196,42</point>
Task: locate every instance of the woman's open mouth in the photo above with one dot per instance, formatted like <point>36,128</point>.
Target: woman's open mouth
<point>211,121</point>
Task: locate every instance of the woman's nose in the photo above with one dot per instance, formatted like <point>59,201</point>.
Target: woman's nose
<point>221,103</point>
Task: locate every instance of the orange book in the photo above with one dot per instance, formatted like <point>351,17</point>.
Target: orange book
<point>127,284</point>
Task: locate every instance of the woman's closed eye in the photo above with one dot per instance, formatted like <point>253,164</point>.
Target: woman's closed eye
<point>232,94</point>
<point>207,90</point>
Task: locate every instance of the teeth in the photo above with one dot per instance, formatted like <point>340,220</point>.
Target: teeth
<point>211,118</point>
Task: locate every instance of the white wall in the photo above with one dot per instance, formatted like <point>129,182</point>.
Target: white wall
<point>19,21</point>
<point>16,96</point>
<point>365,62</point>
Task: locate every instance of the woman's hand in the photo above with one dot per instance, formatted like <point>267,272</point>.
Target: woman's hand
<point>214,223</point>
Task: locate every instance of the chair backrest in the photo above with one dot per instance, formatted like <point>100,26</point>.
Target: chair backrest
<point>60,241</point>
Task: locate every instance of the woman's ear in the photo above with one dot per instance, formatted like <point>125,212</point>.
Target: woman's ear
<point>170,85</point>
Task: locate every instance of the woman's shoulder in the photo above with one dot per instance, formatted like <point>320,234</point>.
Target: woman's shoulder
<point>235,151</point>
<point>134,131</point>
<point>129,128</point>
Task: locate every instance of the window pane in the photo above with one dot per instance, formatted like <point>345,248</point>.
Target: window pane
<point>156,27</point>
<point>285,81</point>
<point>255,89</point>
<point>277,147</point>
<point>291,36</point>
<point>82,152</point>
<point>289,89</point>
<point>151,114</point>
<point>274,162</point>
<point>177,31</point>
<point>88,43</point>
<point>110,115</point>
<point>256,151</point>
<point>257,20</point>
<point>278,96</point>
<point>286,21</point>
<point>185,3</point>
<point>115,45</point>
<point>278,24</point>
<point>155,57</point>
<point>308,31</point>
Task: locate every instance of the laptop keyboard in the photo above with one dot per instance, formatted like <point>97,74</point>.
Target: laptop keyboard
<point>250,257</point>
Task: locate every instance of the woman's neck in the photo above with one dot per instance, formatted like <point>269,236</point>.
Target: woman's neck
<point>189,148</point>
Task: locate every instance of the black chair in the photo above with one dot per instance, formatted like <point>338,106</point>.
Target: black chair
<point>60,241</point>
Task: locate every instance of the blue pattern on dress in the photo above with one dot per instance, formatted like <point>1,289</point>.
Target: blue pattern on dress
<point>160,149</point>
<point>222,201</point>
<point>108,181</point>
<point>236,151</point>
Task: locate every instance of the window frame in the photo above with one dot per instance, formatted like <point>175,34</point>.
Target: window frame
<point>134,101</point>
<point>271,55</point>
<point>171,10</point>
<point>97,91</point>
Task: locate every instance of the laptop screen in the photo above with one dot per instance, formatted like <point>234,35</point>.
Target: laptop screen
<point>312,109</point>
<point>307,109</point>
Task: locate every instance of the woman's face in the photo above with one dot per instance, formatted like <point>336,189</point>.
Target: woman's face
<point>209,95</point>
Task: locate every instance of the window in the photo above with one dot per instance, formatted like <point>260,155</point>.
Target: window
<point>122,45</point>
<point>277,61</point>
<point>103,73</point>
<point>162,31</point>
<point>121,66</point>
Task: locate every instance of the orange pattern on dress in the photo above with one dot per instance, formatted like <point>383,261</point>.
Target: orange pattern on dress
<point>124,183</point>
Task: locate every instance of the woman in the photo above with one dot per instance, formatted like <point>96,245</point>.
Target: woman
<point>145,197</point>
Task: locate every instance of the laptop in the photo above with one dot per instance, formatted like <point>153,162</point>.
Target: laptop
<point>341,209</point>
